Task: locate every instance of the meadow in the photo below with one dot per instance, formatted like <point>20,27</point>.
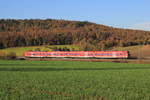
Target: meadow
<point>73,80</point>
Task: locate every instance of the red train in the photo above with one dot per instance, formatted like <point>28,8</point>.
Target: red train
<point>79,54</point>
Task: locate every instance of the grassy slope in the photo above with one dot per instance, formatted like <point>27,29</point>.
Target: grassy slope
<point>61,80</point>
<point>137,51</point>
<point>20,50</point>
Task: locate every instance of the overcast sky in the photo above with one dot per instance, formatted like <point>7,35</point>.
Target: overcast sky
<point>117,13</point>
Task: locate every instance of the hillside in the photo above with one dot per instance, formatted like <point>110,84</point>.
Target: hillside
<point>19,51</point>
<point>141,51</point>
<point>86,35</point>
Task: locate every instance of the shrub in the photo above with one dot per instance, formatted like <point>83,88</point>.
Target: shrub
<point>2,55</point>
<point>37,49</point>
<point>30,50</point>
<point>11,55</point>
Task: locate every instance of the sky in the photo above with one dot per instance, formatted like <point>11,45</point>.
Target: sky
<point>134,14</point>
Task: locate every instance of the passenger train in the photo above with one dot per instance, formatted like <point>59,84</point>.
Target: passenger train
<point>78,54</point>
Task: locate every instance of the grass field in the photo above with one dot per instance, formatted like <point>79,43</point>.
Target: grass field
<point>62,80</point>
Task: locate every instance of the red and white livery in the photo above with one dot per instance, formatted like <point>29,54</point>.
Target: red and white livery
<point>79,54</point>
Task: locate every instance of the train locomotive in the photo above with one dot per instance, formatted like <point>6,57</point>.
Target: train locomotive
<point>78,54</point>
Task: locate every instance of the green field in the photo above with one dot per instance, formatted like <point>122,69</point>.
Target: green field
<point>62,80</point>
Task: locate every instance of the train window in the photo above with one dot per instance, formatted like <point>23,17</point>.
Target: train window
<point>49,54</point>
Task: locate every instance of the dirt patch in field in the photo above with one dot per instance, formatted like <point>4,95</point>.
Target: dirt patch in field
<point>141,52</point>
<point>82,97</point>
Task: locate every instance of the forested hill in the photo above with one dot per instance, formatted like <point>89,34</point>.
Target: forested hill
<point>87,35</point>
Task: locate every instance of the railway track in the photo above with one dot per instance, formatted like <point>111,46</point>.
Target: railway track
<point>137,61</point>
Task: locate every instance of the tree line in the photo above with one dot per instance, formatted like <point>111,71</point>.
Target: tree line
<point>87,35</point>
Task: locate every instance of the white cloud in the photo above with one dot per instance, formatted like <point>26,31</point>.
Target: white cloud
<point>141,26</point>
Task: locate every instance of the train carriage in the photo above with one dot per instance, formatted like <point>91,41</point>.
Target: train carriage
<point>79,54</point>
